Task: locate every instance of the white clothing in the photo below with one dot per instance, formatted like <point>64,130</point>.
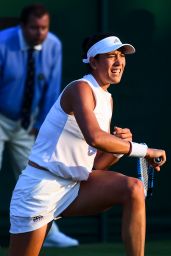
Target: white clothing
<point>54,148</point>
<point>40,196</point>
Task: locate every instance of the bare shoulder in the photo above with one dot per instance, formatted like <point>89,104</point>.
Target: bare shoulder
<point>78,85</point>
<point>77,94</point>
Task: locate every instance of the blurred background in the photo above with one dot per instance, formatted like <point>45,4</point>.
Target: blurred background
<point>142,99</point>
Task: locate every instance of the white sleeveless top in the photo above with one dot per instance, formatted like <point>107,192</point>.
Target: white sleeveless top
<point>60,145</point>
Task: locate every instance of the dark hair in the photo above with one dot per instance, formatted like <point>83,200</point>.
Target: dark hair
<point>36,9</point>
<point>92,39</point>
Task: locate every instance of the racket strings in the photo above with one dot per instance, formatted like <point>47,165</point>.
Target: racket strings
<point>146,175</point>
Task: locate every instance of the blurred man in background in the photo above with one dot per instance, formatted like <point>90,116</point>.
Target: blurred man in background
<point>30,82</point>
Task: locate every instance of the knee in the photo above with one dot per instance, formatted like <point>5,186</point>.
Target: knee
<point>135,190</point>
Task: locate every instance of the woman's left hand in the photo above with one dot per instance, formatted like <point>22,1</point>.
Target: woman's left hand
<point>123,133</point>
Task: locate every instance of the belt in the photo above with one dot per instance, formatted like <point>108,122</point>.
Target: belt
<point>33,164</point>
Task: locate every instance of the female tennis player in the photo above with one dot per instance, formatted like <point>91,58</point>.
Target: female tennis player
<point>68,169</point>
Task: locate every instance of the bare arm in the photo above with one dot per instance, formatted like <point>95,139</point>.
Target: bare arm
<point>104,160</point>
<point>78,100</point>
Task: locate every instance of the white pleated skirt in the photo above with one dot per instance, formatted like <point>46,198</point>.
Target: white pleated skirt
<point>38,198</point>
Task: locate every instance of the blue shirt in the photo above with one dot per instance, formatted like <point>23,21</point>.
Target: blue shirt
<point>13,62</point>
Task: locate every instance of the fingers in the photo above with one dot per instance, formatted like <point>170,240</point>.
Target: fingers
<point>153,155</point>
<point>157,168</point>
<point>123,133</point>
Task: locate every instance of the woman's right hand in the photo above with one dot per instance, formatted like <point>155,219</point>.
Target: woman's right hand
<point>153,154</point>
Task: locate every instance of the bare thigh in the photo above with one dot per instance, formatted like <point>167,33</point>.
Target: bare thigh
<point>101,191</point>
<point>29,243</point>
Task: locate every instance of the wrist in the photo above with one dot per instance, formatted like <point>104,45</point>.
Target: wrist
<point>137,150</point>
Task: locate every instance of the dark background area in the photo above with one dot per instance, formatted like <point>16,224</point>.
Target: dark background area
<point>141,101</point>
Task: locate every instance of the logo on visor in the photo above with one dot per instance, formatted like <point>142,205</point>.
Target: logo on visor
<point>116,41</point>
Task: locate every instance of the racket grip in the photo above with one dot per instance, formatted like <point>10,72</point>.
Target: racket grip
<point>157,160</point>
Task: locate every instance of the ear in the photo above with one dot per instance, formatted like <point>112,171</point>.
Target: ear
<point>93,63</point>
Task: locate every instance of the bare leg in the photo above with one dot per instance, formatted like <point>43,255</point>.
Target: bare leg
<point>104,189</point>
<point>134,224</point>
<point>28,244</point>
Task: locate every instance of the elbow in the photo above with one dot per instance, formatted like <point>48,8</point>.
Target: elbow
<point>95,140</point>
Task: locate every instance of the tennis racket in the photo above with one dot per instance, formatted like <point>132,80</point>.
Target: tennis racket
<point>146,175</point>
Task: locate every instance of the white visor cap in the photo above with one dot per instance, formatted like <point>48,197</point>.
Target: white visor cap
<point>108,44</point>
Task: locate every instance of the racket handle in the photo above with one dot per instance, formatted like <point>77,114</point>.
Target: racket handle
<point>157,160</point>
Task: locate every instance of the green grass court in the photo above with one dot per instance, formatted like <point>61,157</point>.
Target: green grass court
<point>153,248</point>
